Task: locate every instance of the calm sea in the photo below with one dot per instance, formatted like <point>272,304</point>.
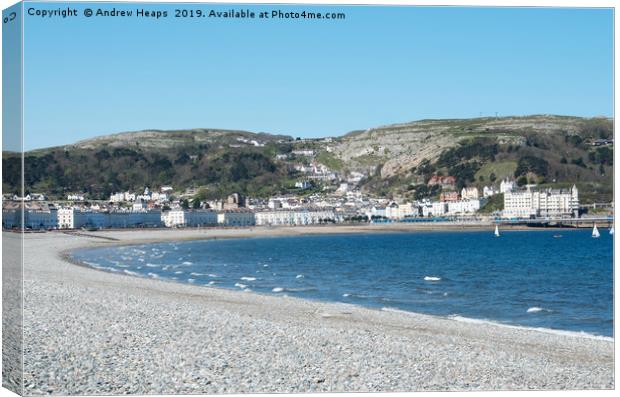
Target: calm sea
<point>521,278</point>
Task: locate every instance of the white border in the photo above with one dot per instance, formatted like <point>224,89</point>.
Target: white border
<point>484,3</point>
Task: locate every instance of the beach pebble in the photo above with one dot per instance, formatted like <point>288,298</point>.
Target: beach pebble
<point>90,332</point>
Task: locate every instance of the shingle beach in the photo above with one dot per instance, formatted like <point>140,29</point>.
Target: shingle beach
<point>91,332</point>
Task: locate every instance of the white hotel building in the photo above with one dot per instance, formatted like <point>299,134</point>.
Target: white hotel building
<point>74,218</point>
<point>393,211</point>
<point>299,216</point>
<point>236,217</point>
<point>550,202</point>
<point>189,218</point>
<point>463,207</point>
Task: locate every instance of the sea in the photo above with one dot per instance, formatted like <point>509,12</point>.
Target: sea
<point>558,280</point>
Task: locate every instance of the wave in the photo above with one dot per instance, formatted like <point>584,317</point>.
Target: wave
<point>248,278</point>
<point>303,289</point>
<point>573,334</point>
<point>361,296</point>
<point>187,263</point>
<point>299,276</point>
<point>129,272</point>
<point>152,265</point>
<point>240,285</point>
<point>432,278</point>
<point>536,309</point>
<point>197,274</point>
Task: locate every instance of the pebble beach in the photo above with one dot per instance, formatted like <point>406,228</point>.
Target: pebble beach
<point>92,332</point>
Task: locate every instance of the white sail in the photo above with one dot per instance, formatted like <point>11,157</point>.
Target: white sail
<point>496,231</point>
<point>595,232</point>
<point>611,231</point>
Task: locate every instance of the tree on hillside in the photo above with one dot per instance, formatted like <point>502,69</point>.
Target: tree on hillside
<point>532,164</point>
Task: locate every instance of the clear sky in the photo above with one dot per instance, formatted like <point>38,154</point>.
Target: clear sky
<point>92,76</point>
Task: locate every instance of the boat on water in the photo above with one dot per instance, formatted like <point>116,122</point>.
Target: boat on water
<point>611,231</point>
<point>595,232</point>
<point>496,231</point>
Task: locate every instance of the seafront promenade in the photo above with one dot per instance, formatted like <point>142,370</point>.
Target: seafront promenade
<point>92,332</point>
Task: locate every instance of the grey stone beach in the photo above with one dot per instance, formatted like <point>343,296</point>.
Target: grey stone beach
<point>92,332</point>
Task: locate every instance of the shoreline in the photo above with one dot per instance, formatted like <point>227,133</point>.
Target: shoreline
<point>333,228</point>
<point>279,231</point>
<point>329,346</point>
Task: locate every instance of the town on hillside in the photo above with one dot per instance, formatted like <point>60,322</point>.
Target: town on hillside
<point>166,207</point>
<point>540,168</point>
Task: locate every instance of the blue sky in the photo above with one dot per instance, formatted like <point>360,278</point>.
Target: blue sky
<point>381,65</point>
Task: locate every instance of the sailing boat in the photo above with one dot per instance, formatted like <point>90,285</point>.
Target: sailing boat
<point>496,231</point>
<point>611,231</point>
<point>595,233</point>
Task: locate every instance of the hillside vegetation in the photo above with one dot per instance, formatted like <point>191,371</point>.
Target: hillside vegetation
<point>397,160</point>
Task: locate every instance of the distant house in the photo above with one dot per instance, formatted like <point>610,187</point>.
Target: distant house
<point>236,217</point>
<point>489,191</point>
<point>179,217</point>
<point>139,205</point>
<point>274,204</point>
<point>462,207</point>
<point>399,211</point>
<point>234,201</point>
<point>449,196</point>
<point>446,182</point>
<point>435,208</point>
<point>35,197</point>
<point>75,197</point>
<point>303,184</point>
<point>507,185</point>
<point>469,193</point>
<point>304,152</point>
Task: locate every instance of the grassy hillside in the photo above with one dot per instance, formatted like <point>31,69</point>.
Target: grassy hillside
<point>550,150</point>
<point>102,166</point>
<point>397,159</point>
